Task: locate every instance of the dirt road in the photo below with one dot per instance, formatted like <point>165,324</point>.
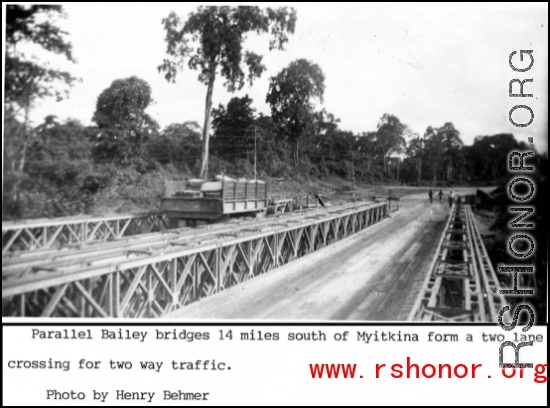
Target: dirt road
<point>374,275</point>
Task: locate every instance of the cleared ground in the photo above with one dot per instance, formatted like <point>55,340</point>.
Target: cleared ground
<point>374,275</point>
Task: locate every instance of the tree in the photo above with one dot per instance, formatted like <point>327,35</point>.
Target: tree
<point>59,166</point>
<point>443,148</point>
<point>291,95</point>
<point>272,152</point>
<point>322,150</point>
<point>390,135</point>
<point>60,152</point>
<point>453,149</point>
<point>212,39</point>
<point>365,145</point>
<point>234,127</point>
<point>28,79</point>
<point>178,143</point>
<point>25,79</point>
<point>416,154</point>
<point>485,156</point>
<point>435,148</point>
<point>124,125</point>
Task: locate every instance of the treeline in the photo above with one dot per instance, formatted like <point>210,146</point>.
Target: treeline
<point>391,153</point>
<point>58,167</point>
<point>65,163</point>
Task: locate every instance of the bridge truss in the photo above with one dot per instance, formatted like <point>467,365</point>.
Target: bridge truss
<point>461,285</point>
<point>58,232</point>
<point>153,274</point>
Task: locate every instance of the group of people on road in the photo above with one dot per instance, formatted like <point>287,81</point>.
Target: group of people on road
<point>453,196</point>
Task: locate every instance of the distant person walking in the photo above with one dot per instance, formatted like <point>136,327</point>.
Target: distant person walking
<point>456,197</point>
<point>450,199</point>
<point>440,196</point>
<point>431,194</point>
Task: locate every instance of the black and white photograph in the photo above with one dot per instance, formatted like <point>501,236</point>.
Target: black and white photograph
<point>286,162</point>
<point>251,204</point>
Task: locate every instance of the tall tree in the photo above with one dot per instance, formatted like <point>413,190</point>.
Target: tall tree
<point>211,40</point>
<point>28,79</point>
<point>292,93</point>
<point>443,149</point>
<point>453,150</point>
<point>121,117</point>
<point>416,153</point>
<point>324,143</point>
<point>390,135</point>
<point>435,148</point>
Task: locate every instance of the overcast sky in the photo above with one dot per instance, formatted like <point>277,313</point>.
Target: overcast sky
<point>426,64</point>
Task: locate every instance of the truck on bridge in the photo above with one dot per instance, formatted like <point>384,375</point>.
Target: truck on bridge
<point>194,202</point>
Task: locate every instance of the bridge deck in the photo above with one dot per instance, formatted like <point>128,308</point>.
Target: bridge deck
<point>373,275</point>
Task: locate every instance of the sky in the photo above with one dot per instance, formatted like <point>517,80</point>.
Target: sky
<point>428,64</point>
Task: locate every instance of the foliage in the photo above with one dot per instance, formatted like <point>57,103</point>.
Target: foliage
<point>234,128</point>
<point>124,127</point>
<point>59,151</point>
<point>178,145</point>
<point>219,33</point>
<point>415,159</point>
<point>14,132</point>
<point>70,167</point>
<point>212,38</point>
<point>390,138</point>
<point>26,79</point>
<point>56,180</point>
<point>390,135</point>
<point>291,95</point>
<point>440,153</point>
<point>273,154</point>
<point>485,157</point>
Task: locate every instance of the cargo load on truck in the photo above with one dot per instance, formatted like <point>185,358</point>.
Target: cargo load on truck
<point>186,202</point>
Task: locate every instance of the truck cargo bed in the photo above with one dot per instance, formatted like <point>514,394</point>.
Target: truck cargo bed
<point>233,197</point>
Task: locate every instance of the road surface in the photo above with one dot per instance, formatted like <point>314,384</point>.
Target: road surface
<point>374,275</point>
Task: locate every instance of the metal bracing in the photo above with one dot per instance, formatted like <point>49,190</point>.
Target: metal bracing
<point>57,232</point>
<point>18,263</point>
<point>461,284</point>
<point>154,274</point>
<point>494,301</point>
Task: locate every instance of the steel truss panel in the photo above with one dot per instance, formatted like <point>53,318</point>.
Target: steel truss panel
<point>461,284</point>
<point>152,282</point>
<point>54,233</point>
